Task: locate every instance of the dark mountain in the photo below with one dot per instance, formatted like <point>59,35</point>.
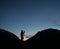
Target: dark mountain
<point>45,39</point>
<point>49,38</point>
<point>10,41</point>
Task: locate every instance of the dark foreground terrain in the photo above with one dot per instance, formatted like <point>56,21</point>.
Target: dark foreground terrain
<point>45,39</point>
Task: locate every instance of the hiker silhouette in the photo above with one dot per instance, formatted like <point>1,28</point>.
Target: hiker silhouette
<point>22,34</point>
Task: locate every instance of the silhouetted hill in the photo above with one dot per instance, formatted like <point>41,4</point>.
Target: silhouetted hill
<point>45,39</point>
<point>49,39</point>
<point>10,41</point>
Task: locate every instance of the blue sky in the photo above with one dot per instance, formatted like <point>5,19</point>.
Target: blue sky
<point>29,15</point>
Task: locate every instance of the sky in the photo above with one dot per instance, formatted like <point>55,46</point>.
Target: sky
<point>29,15</point>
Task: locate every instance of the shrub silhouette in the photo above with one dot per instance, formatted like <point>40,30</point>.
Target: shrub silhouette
<point>22,34</point>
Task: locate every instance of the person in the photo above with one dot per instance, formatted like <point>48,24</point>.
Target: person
<point>22,34</point>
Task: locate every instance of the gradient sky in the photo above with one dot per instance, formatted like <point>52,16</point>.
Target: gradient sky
<point>29,15</point>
